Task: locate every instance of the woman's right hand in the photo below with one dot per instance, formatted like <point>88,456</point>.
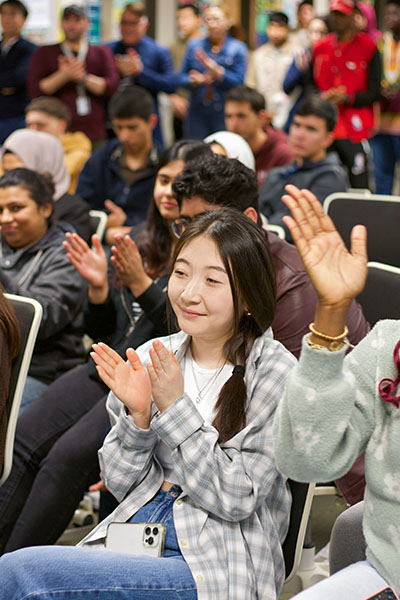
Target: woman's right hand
<point>337,274</point>
<point>91,264</point>
<point>131,384</point>
<point>128,265</point>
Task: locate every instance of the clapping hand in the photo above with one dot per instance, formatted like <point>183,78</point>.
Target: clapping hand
<point>128,265</point>
<point>90,263</point>
<point>129,64</point>
<point>337,274</point>
<point>165,375</point>
<point>336,95</point>
<point>135,385</point>
<point>129,382</point>
<point>214,70</point>
<point>73,69</point>
<point>196,78</point>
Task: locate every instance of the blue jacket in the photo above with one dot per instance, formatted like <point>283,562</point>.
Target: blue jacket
<point>295,77</point>
<point>158,71</point>
<point>101,179</point>
<point>14,68</point>
<point>232,56</point>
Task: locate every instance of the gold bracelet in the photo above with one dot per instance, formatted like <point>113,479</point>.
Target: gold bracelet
<point>329,338</point>
<point>333,346</point>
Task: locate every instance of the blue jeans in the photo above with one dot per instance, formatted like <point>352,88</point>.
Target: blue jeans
<point>32,390</point>
<point>55,572</point>
<point>386,153</point>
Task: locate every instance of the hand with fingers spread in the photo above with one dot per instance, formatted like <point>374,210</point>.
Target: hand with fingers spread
<point>165,375</point>
<point>129,382</point>
<point>90,263</point>
<point>128,265</point>
<point>337,274</point>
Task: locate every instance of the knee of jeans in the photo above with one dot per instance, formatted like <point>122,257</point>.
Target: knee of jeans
<point>12,564</point>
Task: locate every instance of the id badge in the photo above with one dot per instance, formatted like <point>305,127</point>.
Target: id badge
<point>83,107</point>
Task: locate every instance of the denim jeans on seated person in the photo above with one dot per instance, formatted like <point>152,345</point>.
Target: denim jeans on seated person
<point>33,389</point>
<point>55,572</point>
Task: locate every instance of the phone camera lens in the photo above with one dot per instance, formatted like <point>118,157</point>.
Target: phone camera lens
<point>155,531</point>
<point>147,530</point>
<point>150,541</point>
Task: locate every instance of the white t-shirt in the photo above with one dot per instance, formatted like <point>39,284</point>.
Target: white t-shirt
<point>203,387</point>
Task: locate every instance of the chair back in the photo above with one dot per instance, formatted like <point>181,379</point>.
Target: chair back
<point>379,213</point>
<point>380,296</point>
<point>302,495</point>
<point>29,315</point>
<point>278,230</point>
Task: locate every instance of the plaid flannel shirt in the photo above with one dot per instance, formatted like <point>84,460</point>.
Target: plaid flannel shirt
<point>233,512</point>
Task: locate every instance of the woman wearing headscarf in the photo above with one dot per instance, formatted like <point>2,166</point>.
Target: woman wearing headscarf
<point>232,145</point>
<point>43,153</point>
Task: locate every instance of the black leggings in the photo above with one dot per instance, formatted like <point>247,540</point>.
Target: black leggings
<point>55,460</point>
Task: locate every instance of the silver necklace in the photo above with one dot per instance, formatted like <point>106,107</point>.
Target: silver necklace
<point>202,392</point>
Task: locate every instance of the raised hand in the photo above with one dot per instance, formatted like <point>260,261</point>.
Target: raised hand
<point>90,263</point>
<point>131,384</point>
<point>128,265</point>
<point>165,375</point>
<point>337,274</point>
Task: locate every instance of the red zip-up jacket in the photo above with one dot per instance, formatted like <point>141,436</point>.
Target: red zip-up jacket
<point>356,65</point>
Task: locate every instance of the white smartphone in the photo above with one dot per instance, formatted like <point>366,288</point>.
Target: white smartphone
<point>136,538</point>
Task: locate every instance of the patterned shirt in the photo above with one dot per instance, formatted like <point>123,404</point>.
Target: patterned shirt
<point>234,509</point>
<point>332,412</point>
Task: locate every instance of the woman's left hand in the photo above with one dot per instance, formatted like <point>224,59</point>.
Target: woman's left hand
<point>166,376</point>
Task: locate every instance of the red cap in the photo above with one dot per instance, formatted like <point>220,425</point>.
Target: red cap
<point>343,6</point>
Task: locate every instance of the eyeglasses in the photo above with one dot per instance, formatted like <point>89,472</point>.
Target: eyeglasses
<point>131,23</point>
<point>179,225</point>
<point>213,19</point>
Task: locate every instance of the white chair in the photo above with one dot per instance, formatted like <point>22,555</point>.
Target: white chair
<point>29,314</point>
<point>280,232</point>
<point>302,495</point>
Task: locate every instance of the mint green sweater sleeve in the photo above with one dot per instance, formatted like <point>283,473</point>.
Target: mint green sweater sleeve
<point>327,414</point>
<point>331,412</point>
